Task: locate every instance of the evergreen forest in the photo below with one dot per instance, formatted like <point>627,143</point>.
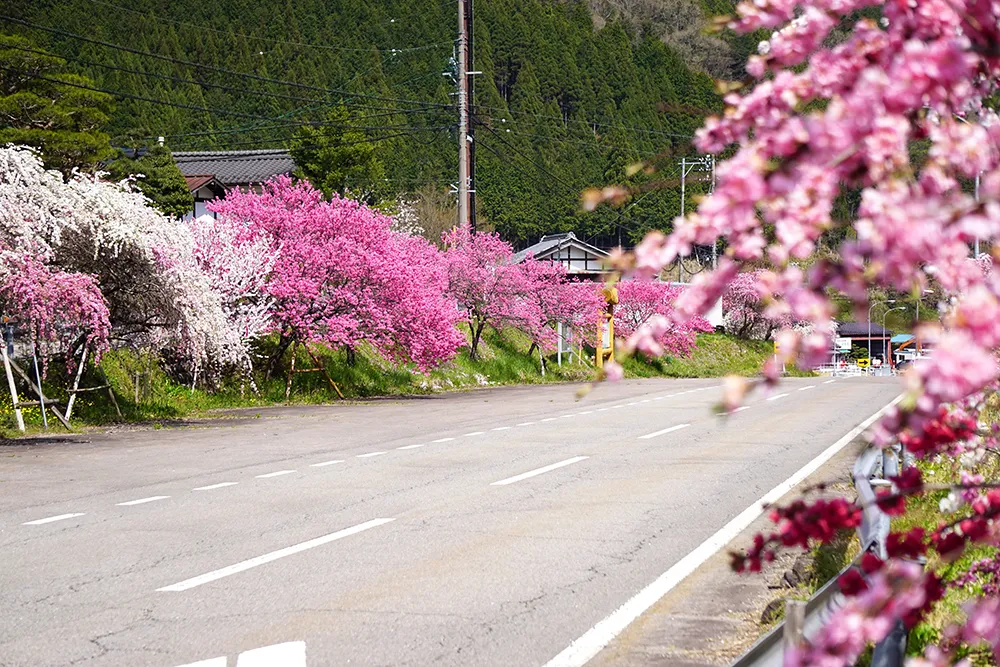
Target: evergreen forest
<point>571,94</point>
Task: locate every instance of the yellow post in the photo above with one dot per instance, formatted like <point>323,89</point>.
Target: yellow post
<point>606,325</point>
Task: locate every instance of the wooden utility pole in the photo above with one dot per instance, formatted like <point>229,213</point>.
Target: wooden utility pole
<point>463,113</point>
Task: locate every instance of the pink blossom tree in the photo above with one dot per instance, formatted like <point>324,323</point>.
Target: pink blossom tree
<point>343,277</point>
<point>54,307</point>
<point>746,315</point>
<point>549,299</point>
<point>830,114</point>
<point>645,310</point>
<point>489,288</point>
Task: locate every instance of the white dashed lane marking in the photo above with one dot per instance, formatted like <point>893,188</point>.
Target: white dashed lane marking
<point>51,519</point>
<point>539,471</point>
<point>655,434</point>
<point>279,473</point>
<point>142,501</point>
<point>212,487</point>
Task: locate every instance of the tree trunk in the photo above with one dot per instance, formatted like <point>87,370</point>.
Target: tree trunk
<point>352,357</point>
<point>477,334</point>
<point>275,360</point>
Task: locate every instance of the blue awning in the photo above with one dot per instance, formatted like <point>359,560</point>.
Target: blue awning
<point>899,339</point>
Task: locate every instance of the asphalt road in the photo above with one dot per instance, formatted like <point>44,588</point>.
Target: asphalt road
<point>488,528</point>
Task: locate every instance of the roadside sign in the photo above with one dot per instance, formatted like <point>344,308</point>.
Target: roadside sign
<point>843,345</point>
<point>863,363</point>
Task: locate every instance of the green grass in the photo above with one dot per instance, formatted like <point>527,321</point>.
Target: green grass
<point>146,393</point>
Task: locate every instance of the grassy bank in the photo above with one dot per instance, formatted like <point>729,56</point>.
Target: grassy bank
<point>145,393</point>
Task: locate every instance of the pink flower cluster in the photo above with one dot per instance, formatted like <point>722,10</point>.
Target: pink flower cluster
<point>343,277</point>
<point>492,289</point>
<point>645,316</point>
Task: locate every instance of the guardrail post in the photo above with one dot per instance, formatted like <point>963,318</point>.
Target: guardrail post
<point>795,620</point>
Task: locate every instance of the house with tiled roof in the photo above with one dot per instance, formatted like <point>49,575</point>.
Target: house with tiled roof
<point>209,174</point>
<point>579,257</point>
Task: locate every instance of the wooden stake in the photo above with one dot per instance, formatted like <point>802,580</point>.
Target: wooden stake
<point>76,382</point>
<point>13,389</point>
<point>291,372</point>
<point>111,392</point>
<point>321,367</point>
<point>41,397</point>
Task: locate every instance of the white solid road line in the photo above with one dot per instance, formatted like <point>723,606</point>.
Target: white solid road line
<point>502,428</point>
<point>441,440</point>
<point>663,432</point>
<point>527,423</point>
<point>275,474</point>
<point>39,522</point>
<point>369,455</point>
<point>210,487</point>
<point>539,471</point>
<point>410,447</point>
<point>590,644</point>
<point>141,501</point>
<point>324,464</point>
<point>741,409</point>
<point>274,555</point>
<point>776,397</point>
<point>829,382</point>
<point>808,386</point>
<point>474,433</point>
<point>549,419</point>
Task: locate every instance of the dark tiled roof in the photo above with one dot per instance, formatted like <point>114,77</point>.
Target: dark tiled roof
<point>236,167</point>
<point>553,242</point>
<point>860,330</point>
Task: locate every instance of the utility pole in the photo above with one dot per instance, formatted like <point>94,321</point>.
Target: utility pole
<point>688,166</point>
<point>463,114</point>
<point>470,74</point>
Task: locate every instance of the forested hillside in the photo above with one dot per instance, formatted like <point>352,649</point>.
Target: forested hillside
<point>570,93</point>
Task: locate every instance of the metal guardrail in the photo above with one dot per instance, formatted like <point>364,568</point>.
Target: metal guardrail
<point>871,469</point>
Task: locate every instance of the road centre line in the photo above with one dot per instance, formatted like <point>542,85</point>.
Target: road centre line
<point>527,423</point>
<point>474,433</point>
<point>549,419</point>
<point>663,432</point>
<point>212,487</point>
<point>581,651</point>
<point>279,473</point>
<point>51,519</point>
<point>539,471</point>
<point>741,409</point>
<point>502,428</point>
<point>585,412</point>
<point>808,386</point>
<point>324,464</point>
<point>829,382</point>
<point>434,442</point>
<point>776,397</point>
<point>269,557</point>
<point>369,455</point>
<point>410,447</point>
<point>141,501</point>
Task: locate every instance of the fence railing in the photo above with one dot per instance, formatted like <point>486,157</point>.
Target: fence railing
<point>871,470</point>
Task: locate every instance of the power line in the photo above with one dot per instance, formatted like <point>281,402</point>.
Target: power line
<point>140,98</point>
<point>588,123</point>
<point>541,168</point>
<point>212,68</point>
<point>324,47</point>
<point>295,124</point>
<point>167,77</point>
<point>271,151</point>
